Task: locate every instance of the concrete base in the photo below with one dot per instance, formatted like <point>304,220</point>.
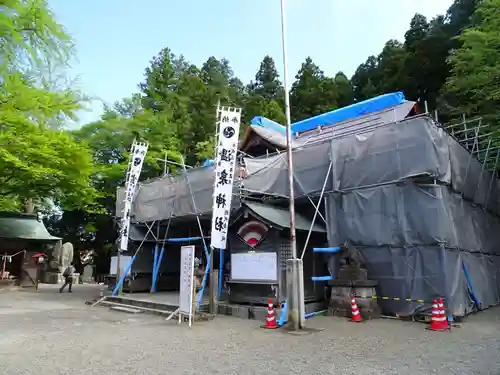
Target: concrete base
<point>164,303</point>
<point>340,300</point>
<point>260,312</point>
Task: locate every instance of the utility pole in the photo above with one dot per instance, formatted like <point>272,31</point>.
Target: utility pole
<point>293,265</point>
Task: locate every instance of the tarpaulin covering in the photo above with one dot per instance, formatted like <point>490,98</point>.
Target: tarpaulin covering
<point>271,131</point>
<point>388,154</point>
<point>165,197</point>
<point>352,111</point>
<point>414,239</point>
<point>392,153</point>
<point>268,124</point>
<point>403,193</point>
<point>171,196</point>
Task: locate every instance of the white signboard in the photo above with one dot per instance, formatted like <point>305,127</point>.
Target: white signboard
<point>124,262</point>
<point>254,266</point>
<point>186,285</point>
<point>138,154</point>
<point>225,166</point>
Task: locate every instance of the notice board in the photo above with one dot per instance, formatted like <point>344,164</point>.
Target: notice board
<point>254,266</point>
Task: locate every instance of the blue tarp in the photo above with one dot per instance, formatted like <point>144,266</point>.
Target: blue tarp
<point>208,163</point>
<point>378,103</point>
<point>268,124</point>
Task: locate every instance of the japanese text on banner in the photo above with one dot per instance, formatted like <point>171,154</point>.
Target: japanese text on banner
<point>138,152</point>
<point>225,165</point>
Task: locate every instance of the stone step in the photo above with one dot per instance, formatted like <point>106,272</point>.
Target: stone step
<point>127,310</point>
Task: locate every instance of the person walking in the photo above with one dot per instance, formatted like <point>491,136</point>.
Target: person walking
<point>68,278</point>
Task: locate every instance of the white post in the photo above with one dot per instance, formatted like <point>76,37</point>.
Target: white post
<point>293,294</point>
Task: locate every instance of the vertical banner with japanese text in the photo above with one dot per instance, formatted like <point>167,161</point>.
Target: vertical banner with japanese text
<point>225,166</point>
<point>187,279</point>
<point>138,154</point>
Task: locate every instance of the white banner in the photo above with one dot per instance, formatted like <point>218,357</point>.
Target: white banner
<point>225,167</point>
<point>187,279</point>
<point>138,154</point>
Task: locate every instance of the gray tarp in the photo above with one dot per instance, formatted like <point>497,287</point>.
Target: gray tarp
<point>391,153</point>
<point>414,240</point>
<point>426,272</point>
<point>170,196</point>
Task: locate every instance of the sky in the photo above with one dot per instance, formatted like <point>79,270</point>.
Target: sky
<point>116,39</point>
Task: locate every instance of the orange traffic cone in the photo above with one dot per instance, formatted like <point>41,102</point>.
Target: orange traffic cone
<point>270,318</point>
<point>442,312</point>
<point>356,316</point>
<point>438,320</point>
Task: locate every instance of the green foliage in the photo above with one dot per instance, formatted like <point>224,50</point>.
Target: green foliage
<point>37,161</point>
<point>110,140</point>
<point>474,84</point>
<point>419,66</point>
<point>451,62</point>
<point>312,93</point>
<point>267,84</point>
<point>30,35</point>
<point>264,96</point>
<point>345,92</point>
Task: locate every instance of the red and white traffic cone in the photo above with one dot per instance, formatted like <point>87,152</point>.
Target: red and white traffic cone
<point>356,316</point>
<point>270,318</point>
<point>438,320</point>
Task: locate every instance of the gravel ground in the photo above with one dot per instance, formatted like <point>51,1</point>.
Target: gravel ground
<point>50,333</point>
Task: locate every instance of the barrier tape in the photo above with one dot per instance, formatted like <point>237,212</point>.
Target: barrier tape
<point>395,299</point>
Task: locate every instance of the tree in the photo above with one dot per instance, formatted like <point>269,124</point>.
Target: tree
<point>363,80</point>
<point>127,107</point>
<point>419,66</point>
<point>390,66</point>
<point>427,45</point>
<point>473,86</point>
<point>312,93</point>
<point>459,15</point>
<point>110,141</point>
<point>265,95</point>
<point>382,74</point>
<point>37,161</point>
<point>345,93</point>
<point>190,96</point>
<point>267,83</point>
<point>159,86</point>
<point>256,105</point>
<point>29,35</point>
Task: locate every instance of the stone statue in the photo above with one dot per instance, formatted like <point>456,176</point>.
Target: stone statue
<point>66,255</point>
<point>62,256</point>
<point>55,263</point>
<point>351,256</point>
<point>352,280</point>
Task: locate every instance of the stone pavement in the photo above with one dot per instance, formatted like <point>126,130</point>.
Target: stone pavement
<point>50,333</point>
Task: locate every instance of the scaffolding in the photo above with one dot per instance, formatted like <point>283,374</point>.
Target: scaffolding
<point>483,144</point>
<point>398,191</point>
<point>164,239</point>
<point>472,174</point>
